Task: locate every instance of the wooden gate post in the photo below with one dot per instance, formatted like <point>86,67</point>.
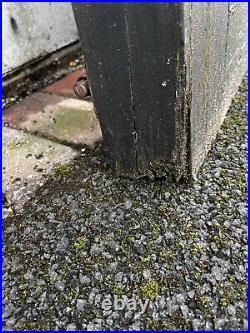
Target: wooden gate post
<point>162,76</point>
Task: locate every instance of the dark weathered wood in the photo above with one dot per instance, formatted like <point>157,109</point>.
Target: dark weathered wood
<point>102,30</point>
<point>162,76</point>
<point>155,41</point>
<point>133,51</point>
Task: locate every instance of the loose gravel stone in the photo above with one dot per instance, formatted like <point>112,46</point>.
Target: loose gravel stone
<point>84,279</point>
<point>71,327</point>
<point>60,285</point>
<point>80,304</point>
<point>94,252</point>
<point>128,204</point>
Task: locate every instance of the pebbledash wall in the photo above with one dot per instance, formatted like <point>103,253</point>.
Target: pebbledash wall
<point>34,29</point>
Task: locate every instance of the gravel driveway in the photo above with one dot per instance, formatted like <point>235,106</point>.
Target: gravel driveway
<point>88,239</point>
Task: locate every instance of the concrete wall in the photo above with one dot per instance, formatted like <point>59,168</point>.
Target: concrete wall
<point>34,29</point>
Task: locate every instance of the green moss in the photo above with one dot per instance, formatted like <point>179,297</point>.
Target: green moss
<point>225,196</point>
<point>149,289</point>
<point>231,278</point>
<point>238,292</point>
<point>107,197</point>
<point>166,254</point>
<point>224,302</point>
<point>12,249</point>
<point>65,212</point>
<point>68,118</point>
<point>204,303</point>
<point>136,204</point>
<point>87,213</point>
<point>173,323</point>
<point>243,290</point>
<point>196,247</point>
<point>220,240</point>
<point>74,293</point>
<point>131,239</point>
<point>235,119</point>
<point>164,207</point>
<point>241,183</point>
<point>239,99</point>
<point>245,247</point>
<point>63,169</point>
<point>80,242</point>
<point>155,325</point>
<point>51,280</point>
<point>145,260</point>
<point>29,326</point>
<point>155,230</point>
<point>159,168</point>
<point>117,291</point>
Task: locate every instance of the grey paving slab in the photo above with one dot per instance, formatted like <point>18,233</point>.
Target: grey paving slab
<point>27,160</point>
<point>65,120</point>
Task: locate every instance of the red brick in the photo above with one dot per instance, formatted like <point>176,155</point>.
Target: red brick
<point>65,85</point>
<point>16,115</point>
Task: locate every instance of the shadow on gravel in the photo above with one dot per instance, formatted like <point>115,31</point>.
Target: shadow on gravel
<point>87,235</point>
